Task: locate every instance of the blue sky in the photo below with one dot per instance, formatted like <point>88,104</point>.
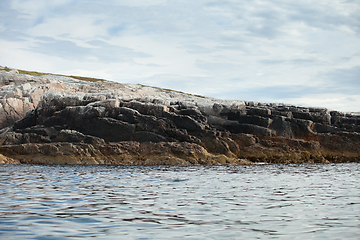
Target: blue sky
<point>297,52</point>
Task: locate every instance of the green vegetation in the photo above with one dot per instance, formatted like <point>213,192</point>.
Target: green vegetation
<point>5,68</point>
<point>33,73</point>
<point>88,79</point>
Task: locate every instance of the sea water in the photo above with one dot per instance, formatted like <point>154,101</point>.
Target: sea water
<point>308,201</point>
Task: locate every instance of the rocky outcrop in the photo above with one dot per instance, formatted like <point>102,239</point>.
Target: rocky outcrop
<point>59,120</point>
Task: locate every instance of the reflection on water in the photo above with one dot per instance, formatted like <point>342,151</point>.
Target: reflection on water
<point>235,202</point>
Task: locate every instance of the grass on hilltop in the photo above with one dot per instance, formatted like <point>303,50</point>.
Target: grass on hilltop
<point>88,79</point>
<point>34,73</point>
<point>6,69</point>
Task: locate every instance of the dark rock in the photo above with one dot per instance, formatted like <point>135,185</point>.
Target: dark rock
<point>110,128</point>
<point>194,114</point>
<point>324,128</point>
<point>69,136</point>
<point>287,114</point>
<point>301,128</point>
<point>184,122</point>
<point>34,138</point>
<point>339,120</point>
<point>313,116</point>
<point>281,126</point>
<point>182,136</point>
<point>249,128</point>
<point>146,108</point>
<point>11,138</point>
<point>257,111</point>
<point>148,137</point>
<point>39,130</point>
<point>255,120</point>
<point>233,115</point>
<point>29,120</point>
<point>214,144</point>
<point>336,114</point>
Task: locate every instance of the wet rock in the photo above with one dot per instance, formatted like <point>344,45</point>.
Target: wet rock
<point>6,160</point>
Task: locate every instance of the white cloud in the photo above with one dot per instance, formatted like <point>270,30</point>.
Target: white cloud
<point>252,50</point>
<point>339,102</point>
<point>72,27</point>
<point>135,3</point>
<point>32,9</point>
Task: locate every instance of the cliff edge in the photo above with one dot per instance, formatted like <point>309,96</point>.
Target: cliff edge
<point>52,119</point>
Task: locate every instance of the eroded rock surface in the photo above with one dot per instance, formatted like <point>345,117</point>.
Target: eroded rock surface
<point>59,120</point>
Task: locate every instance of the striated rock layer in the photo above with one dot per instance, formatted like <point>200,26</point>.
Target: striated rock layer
<point>60,120</point>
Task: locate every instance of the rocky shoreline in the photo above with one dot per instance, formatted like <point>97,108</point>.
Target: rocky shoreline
<point>52,119</point>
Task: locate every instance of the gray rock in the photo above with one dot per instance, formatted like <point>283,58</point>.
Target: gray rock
<point>50,110</point>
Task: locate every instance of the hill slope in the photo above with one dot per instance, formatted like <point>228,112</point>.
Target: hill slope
<point>52,119</point>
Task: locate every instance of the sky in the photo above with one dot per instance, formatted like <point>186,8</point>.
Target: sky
<point>296,52</point>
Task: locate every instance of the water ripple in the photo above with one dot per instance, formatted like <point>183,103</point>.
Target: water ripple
<point>236,202</point>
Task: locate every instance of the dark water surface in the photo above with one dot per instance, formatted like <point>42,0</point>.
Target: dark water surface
<point>320,201</point>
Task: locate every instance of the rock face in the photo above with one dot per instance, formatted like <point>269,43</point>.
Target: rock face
<point>59,120</point>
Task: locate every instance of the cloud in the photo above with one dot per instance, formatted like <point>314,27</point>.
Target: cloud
<point>257,50</point>
<point>133,3</point>
<point>346,81</point>
<point>31,10</point>
<point>98,51</point>
<point>11,23</point>
<point>326,15</point>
